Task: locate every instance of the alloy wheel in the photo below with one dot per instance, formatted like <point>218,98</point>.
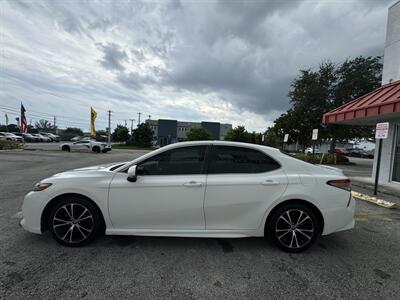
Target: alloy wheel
<point>73,223</point>
<point>294,229</point>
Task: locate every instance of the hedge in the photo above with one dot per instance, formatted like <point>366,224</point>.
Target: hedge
<point>9,145</point>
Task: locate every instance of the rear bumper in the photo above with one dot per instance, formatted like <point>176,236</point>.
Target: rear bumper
<point>339,219</point>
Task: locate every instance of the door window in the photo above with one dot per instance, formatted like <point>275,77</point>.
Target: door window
<point>180,161</point>
<point>227,159</point>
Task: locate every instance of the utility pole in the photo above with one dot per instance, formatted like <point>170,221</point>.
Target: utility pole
<point>132,125</point>
<point>54,125</point>
<point>139,113</point>
<point>109,127</point>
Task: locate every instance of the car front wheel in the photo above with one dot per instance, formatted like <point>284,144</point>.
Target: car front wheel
<point>294,228</point>
<point>74,222</point>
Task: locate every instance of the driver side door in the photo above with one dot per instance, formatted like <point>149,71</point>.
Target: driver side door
<point>167,195</point>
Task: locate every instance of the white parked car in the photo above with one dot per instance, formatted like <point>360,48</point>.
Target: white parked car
<point>309,150</point>
<point>86,145</point>
<point>195,189</point>
<point>8,136</point>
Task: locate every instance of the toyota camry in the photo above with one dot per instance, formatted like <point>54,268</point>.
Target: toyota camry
<point>195,189</point>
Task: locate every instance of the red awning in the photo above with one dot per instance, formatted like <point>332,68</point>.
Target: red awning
<point>379,104</point>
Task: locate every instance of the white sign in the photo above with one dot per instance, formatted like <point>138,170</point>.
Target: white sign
<point>315,134</point>
<point>381,131</point>
<point>286,138</point>
<point>263,138</point>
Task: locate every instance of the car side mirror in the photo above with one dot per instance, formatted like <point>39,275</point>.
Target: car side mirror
<point>132,175</point>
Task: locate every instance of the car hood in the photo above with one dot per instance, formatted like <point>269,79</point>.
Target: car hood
<point>88,171</point>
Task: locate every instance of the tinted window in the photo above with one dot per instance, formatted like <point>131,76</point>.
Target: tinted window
<point>228,159</point>
<point>186,160</point>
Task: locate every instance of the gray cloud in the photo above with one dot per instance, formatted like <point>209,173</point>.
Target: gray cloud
<point>114,57</point>
<point>222,60</point>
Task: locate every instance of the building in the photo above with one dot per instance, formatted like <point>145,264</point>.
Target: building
<point>172,131</point>
<point>381,105</point>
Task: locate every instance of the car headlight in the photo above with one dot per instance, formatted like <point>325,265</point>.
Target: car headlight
<point>41,186</point>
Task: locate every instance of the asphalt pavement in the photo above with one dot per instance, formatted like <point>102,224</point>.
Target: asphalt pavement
<point>360,263</point>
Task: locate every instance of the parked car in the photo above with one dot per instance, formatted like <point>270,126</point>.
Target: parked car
<point>340,151</point>
<point>89,145</point>
<point>195,189</point>
<point>8,136</point>
<point>309,150</point>
<point>81,138</point>
<point>42,138</point>
<point>360,153</point>
<point>28,137</point>
<point>53,137</point>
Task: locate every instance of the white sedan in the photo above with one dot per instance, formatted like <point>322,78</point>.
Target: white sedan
<point>195,189</point>
<point>86,145</point>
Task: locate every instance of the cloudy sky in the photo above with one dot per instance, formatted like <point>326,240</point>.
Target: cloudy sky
<point>227,61</point>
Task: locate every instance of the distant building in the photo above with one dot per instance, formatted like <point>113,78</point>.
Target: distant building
<point>172,131</point>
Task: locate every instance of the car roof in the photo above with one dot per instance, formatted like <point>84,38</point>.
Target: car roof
<point>219,143</point>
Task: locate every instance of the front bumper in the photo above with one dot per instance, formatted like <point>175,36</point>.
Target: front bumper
<point>32,212</point>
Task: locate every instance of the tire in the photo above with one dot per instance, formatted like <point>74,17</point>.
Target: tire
<point>287,235</point>
<point>66,148</point>
<point>65,226</point>
<point>96,149</point>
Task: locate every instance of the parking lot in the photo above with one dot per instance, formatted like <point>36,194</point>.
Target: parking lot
<point>361,263</point>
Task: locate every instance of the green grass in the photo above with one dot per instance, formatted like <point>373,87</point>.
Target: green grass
<point>129,147</point>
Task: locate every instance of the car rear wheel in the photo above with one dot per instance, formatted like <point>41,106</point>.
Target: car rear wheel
<point>74,222</point>
<point>66,148</point>
<point>294,228</point>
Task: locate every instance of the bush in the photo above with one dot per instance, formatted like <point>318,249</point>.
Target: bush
<point>327,159</point>
<point>8,145</point>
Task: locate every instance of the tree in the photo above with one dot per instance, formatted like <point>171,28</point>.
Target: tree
<point>70,132</point>
<point>315,92</point>
<point>44,125</point>
<point>120,134</point>
<point>142,136</point>
<point>198,134</point>
<point>238,134</point>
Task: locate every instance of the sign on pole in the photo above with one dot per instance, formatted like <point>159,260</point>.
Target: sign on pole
<point>381,131</point>
<point>315,134</point>
<point>286,138</point>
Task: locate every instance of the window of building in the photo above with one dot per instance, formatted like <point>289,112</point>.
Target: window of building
<point>228,159</point>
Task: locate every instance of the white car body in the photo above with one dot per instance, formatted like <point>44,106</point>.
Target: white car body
<point>201,205</point>
<point>85,145</point>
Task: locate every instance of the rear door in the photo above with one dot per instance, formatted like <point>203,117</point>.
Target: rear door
<point>241,184</point>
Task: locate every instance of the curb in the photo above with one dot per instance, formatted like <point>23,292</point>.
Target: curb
<point>371,188</point>
<point>11,150</point>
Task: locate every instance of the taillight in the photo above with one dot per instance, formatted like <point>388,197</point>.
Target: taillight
<point>344,184</point>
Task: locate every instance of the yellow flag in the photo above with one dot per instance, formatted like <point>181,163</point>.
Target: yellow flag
<point>93,116</point>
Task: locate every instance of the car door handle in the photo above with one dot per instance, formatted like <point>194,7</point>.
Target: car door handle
<point>192,184</point>
<point>270,182</point>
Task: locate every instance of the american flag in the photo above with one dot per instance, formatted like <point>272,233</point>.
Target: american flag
<point>24,125</point>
